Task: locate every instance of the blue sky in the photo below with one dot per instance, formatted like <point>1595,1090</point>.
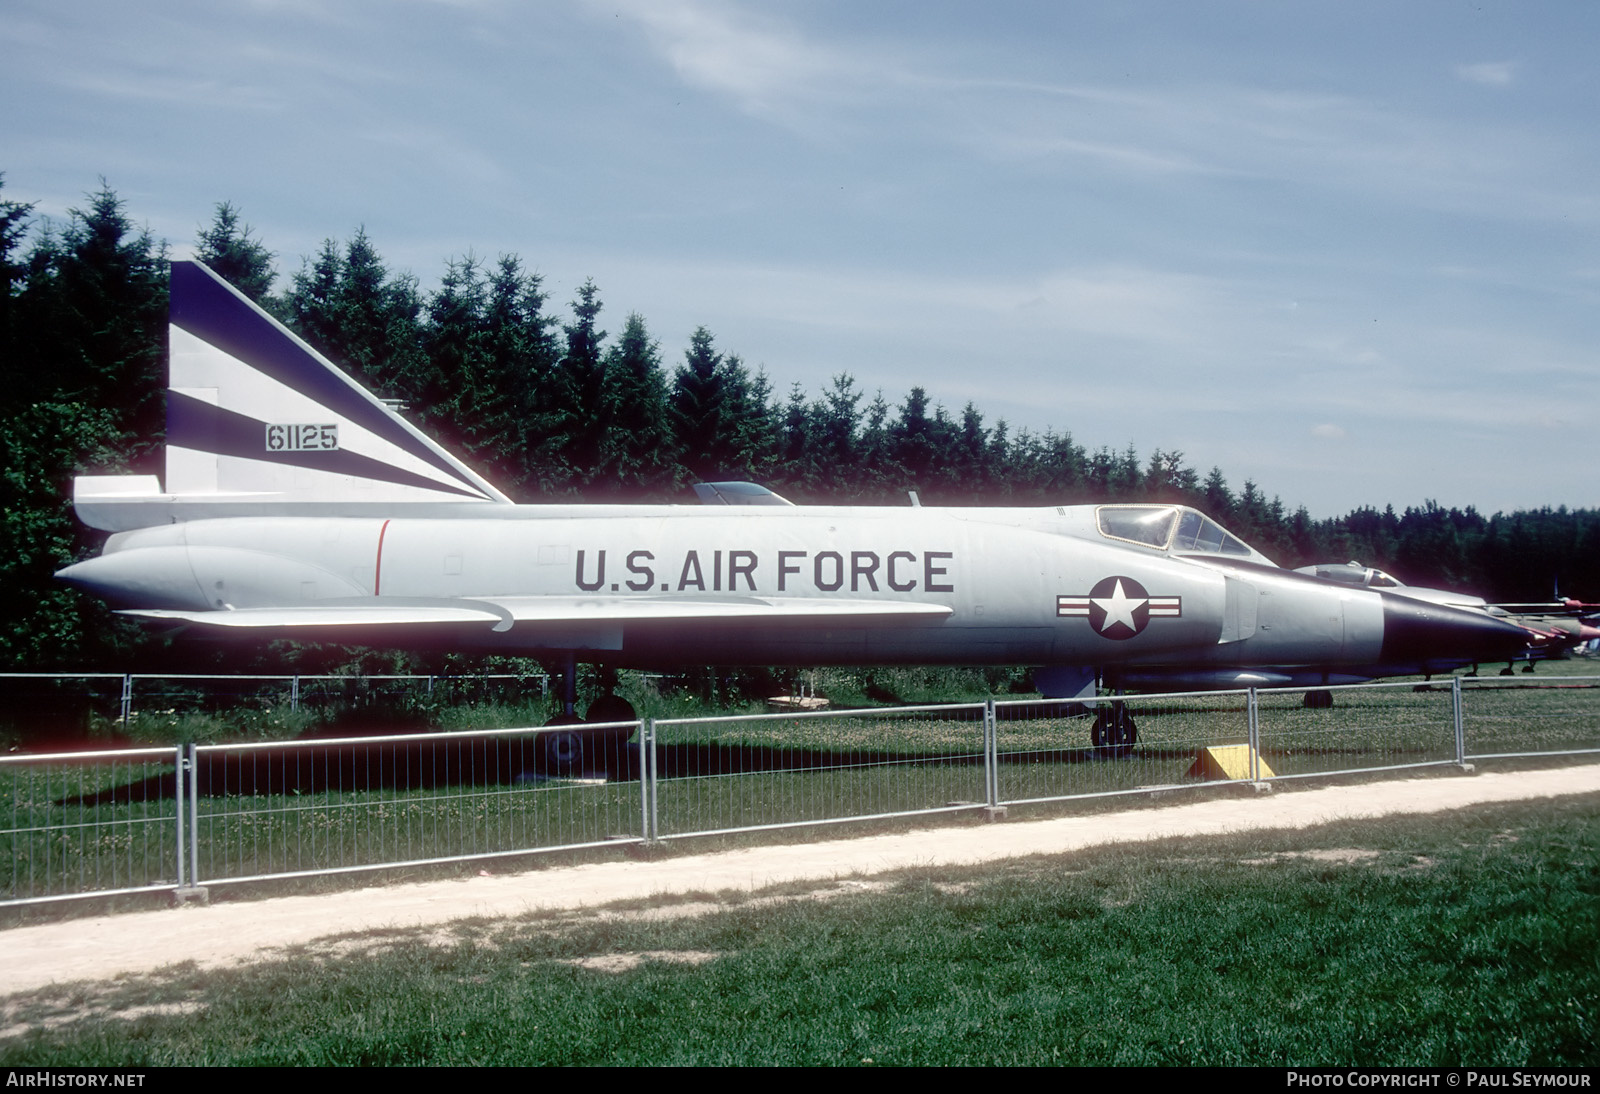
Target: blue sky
<point>1347,250</point>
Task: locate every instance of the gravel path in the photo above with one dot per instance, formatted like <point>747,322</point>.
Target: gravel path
<point>230,933</point>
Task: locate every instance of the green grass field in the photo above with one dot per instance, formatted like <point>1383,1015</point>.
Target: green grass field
<point>1402,941</point>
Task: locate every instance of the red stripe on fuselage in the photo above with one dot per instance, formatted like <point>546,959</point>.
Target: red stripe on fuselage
<point>377,569</point>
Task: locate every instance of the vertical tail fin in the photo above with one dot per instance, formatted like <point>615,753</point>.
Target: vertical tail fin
<point>257,420</point>
<point>251,409</point>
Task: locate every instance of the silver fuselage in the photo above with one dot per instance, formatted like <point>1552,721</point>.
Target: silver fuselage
<point>1003,582</point>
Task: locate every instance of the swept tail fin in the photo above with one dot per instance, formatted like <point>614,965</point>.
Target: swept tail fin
<point>252,409</point>
<point>258,420</point>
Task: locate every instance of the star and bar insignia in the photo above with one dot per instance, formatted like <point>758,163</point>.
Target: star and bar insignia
<point>1119,607</point>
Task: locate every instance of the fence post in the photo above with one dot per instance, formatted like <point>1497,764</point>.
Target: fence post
<point>127,699</point>
<point>180,765</point>
<point>193,765</point>
<point>186,791</point>
<point>1461,726</point>
<point>294,693</point>
<point>647,780</point>
<point>1255,736</point>
<point>991,776</point>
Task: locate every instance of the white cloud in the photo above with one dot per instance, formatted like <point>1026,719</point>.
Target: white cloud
<point>1488,73</point>
<point>904,92</point>
<point>1328,431</point>
<point>174,89</point>
<point>758,60</point>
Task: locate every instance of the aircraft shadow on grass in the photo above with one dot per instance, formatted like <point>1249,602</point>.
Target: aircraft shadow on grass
<point>492,762</point>
<point>429,765</point>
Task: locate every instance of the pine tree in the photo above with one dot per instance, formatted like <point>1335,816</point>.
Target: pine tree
<point>519,372</point>
<point>581,384</point>
<point>755,420</point>
<point>1216,499</point>
<point>1166,479</point>
<point>1058,469</point>
<point>87,311</point>
<point>911,441</point>
<point>14,219</point>
<point>227,247</point>
<point>970,468</point>
<point>879,478</point>
<point>798,446</point>
<point>450,382</point>
<point>837,417</point>
<point>698,405</point>
<point>636,452</point>
<point>312,301</point>
<point>348,306</point>
<point>91,323</point>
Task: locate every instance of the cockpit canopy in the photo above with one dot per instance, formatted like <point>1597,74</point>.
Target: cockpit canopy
<point>1352,573</point>
<point>737,493</point>
<point>1174,528</point>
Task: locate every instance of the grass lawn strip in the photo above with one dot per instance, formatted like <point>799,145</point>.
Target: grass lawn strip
<point>1402,940</point>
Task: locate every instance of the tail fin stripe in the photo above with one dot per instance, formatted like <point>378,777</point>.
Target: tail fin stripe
<point>205,428</point>
<point>211,310</point>
<point>232,385</point>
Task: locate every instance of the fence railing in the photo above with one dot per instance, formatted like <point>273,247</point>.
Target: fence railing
<point>174,818</point>
<point>93,823</point>
<point>1514,717</point>
<point>359,803</point>
<point>714,775</point>
<point>130,703</point>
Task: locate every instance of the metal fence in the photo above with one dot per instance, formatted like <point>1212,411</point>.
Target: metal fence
<point>1509,717</point>
<point>93,823</point>
<point>174,818</point>
<point>1046,751</point>
<point>713,775</point>
<point>361,803</point>
<point>145,704</point>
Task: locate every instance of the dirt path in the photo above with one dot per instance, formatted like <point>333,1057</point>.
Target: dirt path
<point>223,934</point>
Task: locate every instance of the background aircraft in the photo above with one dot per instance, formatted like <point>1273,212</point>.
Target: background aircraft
<point>298,505</point>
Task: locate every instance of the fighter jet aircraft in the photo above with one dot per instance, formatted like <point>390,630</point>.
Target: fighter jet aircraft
<point>296,504</point>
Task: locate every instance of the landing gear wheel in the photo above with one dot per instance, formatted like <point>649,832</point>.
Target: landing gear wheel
<point>563,750</point>
<point>563,753</point>
<point>608,747</point>
<point>611,708</point>
<point>1114,732</point>
<point>1318,700</point>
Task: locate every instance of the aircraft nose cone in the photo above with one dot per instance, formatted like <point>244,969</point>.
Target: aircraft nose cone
<point>89,576</point>
<point>157,577</point>
<point>1416,632</point>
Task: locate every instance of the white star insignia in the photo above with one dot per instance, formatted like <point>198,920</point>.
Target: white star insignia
<point>1119,608</point>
